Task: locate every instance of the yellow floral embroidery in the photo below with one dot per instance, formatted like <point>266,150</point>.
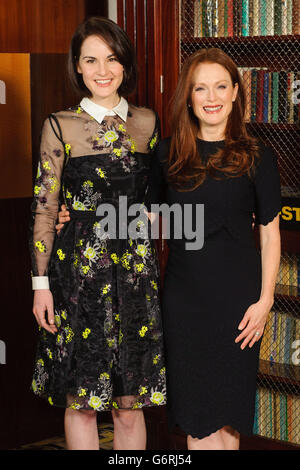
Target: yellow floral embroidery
<point>115,258</point>
<point>50,401</point>
<point>67,148</point>
<point>88,183</point>
<point>137,405</point>
<point>104,375</point>
<point>154,285</point>
<point>156,359</point>
<point>49,353</point>
<point>40,246</point>
<point>85,269</point>
<point>54,184</point>
<point>79,110</point>
<point>115,405</point>
<point>124,260</point>
<point>75,406</point>
<point>70,334</point>
<point>82,392</point>
<point>86,333</point>
<point>139,267</point>
<point>68,195</point>
<point>110,342</point>
<point>133,145</point>
<point>37,190</point>
<point>141,250</point>
<point>46,165</point>
<point>120,337</point>
<point>121,128</point>
<point>34,386</point>
<point>95,402</point>
<point>100,172</point>
<point>143,331</point>
<point>153,142</point>
<point>106,289</point>
<point>157,398</point>
<point>61,254</point>
<point>117,152</point>
<point>143,391</point>
<point>110,136</point>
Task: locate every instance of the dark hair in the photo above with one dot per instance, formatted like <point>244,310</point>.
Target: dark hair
<point>119,43</point>
<point>240,151</point>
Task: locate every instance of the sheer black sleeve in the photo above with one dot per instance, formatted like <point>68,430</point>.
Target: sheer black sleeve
<point>155,193</point>
<point>267,187</point>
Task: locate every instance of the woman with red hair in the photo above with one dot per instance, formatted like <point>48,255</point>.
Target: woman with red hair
<point>216,299</point>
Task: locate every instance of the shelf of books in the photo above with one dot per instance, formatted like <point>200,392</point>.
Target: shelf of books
<point>263,38</point>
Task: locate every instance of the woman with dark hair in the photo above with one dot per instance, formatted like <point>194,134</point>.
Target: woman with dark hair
<point>96,296</point>
<point>216,299</point>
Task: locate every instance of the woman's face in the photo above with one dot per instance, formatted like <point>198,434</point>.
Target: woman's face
<point>101,71</point>
<point>212,96</point>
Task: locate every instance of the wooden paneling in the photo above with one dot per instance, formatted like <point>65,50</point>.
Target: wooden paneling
<point>170,54</point>
<point>33,26</point>
<point>38,25</point>
<point>142,22</point>
<point>15,127</point>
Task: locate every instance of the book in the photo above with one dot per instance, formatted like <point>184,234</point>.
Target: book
<point>282,97</point>
<point>289,416</point>
<point>256,413</point>
<point>277,17</point>
<point>270,98</point>
<point>270,17</point>
<point>221,18</point>
<point>260,95</point>
<point>289,17</point>
<point>263,17</point>
<point>275,96</point>
<point>266,97</point>
<point>284,11</point>
<point>256,18</point>
<point>230,18</point>
<point>296,17</point>
<point>197,31</point>
<point>245,18</point>
<point>251,18</point>
<point>253,93</point>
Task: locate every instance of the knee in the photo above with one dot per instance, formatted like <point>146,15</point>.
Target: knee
<point>85,416</point>
<point>127,419</point>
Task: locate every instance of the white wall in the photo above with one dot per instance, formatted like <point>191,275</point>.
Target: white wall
<point>112,10</point>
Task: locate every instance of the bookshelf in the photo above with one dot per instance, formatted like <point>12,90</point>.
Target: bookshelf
<point>263,38</point>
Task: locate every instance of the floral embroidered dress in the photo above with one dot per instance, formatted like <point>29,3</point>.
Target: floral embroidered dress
<point>108,351</point>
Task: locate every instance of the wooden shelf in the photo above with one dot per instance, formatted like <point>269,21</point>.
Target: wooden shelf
<point>281,374</point>
<point>286,39</point>
<point>253,51</point>
<point>281,126</point>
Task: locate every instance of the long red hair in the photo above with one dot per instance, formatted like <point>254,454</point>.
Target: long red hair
<point>186,168</point>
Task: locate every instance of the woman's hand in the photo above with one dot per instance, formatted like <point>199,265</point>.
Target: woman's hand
<point>254,322</point>
<point>42,303</point>
<point>63,217</point>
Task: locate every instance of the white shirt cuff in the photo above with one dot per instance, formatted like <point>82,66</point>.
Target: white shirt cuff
<point>40,282</point>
